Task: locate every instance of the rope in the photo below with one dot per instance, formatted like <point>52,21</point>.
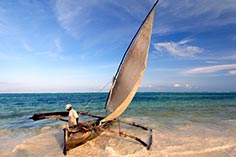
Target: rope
<point>91,99</point>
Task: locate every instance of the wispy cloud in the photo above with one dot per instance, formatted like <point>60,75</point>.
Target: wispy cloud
<point>234,38</point>
<point>2,27</point>
<point>26,46</point>
<point>212,62</point>
<point>67,12</point>
<point>58,45</point>
<point>9,57</point>
<point>180,48</point>
<point>47,53</point>
<point>232,72</point>
<point>199,13</point>
<point>134,9</point>
<point>77,16</point>
<point>196,8</point>
<point>176,85</point>
<point>186,86</point>
<point>4,23</point>
<point>211,69</point>
<point>216,59</point>
<point>55,51</point>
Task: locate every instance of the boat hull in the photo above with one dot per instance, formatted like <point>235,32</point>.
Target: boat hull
<point>78,136</point>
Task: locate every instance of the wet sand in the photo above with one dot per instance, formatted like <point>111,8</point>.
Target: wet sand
<point>201,140</point>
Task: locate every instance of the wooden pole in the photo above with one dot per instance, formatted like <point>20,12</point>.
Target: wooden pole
<point>124,134</point>
<point>131,123</point>
<point>149,142</point>
<point>65,139</point>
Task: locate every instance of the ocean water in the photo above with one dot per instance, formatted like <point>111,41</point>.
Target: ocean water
<point>184,124</point>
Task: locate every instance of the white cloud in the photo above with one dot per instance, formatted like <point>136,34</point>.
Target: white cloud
<point>188,86</point>
<point>46,53</point>
<point>58,45</point>
<point>55,51</point>
<point>51,54</point>
<point>232,72</point>
<point>176,85</point>
<point>234,38</point>
<point>182,86</point>
<point>197,8</point>
<point>232,57</point>
<point>26,46</point>
<point>138,10</point>
<point>179,48</point>
<point>212,62</point>
<point>211,69</point>
<point>185,41</point>
<point>146,86</point>
<point>9,57</point>
<point>67,12</point>
<point>216,59</point>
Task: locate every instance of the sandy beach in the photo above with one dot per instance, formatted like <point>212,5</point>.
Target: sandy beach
<point>181,141</point>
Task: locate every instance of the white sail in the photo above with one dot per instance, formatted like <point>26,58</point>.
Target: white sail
<point>131,71</point>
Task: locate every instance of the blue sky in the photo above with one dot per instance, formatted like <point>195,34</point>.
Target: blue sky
<point>76,45</point>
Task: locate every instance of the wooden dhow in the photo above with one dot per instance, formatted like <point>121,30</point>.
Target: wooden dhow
<point>124,86</point>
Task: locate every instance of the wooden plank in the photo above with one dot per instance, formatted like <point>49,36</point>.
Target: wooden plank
<point>124,134</point>
<point>39,116</point>
<point>65,139</point>
<point>133,124</point>
<point>149,142</point>
<point>51,115</point>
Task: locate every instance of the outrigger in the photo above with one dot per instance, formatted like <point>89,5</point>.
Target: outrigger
<point>91,129</point>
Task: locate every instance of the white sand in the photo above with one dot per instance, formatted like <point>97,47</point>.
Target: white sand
<point>181,141</point>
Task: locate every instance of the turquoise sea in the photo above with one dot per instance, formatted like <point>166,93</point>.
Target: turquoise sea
<point>184,124</point>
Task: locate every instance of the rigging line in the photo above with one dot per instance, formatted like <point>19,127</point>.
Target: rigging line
<point>91,99</point>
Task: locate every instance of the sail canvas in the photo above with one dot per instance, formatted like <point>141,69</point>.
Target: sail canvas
<point>131,71</point>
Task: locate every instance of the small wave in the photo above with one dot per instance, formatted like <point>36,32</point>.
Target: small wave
<point>44,144</point>
<point>230,121</point>
<point>13,114</point>
<point>206,151</point>
<point>45,128</point>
